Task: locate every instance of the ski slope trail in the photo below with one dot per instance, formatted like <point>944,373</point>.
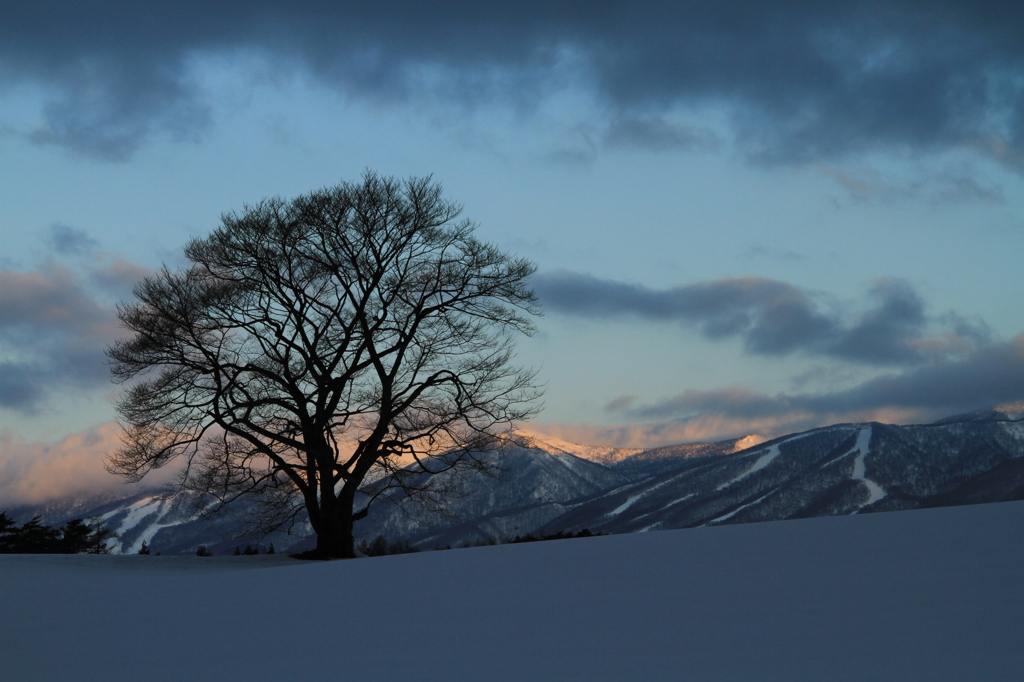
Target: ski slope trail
<point>875,492</point>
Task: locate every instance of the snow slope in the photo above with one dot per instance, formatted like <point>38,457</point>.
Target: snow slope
<point>930,594</point>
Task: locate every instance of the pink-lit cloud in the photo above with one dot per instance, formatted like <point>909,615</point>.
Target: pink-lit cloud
<point>705,428</point>
<point>35,473</point>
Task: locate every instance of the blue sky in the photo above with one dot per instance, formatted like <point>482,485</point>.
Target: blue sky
<point>746,216</point>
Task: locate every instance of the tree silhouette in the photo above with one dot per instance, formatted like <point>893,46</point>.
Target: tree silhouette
<point>314,345</point>
<point>33,537</point>
<point>8,533</point>
<point>76,537</point>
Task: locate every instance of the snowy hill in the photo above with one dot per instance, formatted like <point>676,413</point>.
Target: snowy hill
<point>931,595</point>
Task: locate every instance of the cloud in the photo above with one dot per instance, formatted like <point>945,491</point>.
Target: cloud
<point>118,276</point>
<point>987,376</point>
<point>775,318</point>
<point>33,472</point>
<point>939,188</point>
<point>990,375</point>
<point>53,330</point>
<point>801,80</point>
<point>710,427</point>
<point>657,134</point>
<point>49,301</point>
<point>68,240</point>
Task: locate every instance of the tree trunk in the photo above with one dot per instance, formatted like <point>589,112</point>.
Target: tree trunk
<point>334,538</point>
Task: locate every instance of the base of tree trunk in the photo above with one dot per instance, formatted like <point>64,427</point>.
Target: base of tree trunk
<point>320,555</point>
<point>313,555</point>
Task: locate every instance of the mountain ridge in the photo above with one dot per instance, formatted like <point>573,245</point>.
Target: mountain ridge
<point>551,486</point>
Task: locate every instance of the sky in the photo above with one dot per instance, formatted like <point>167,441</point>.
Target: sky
<point>747,217</point>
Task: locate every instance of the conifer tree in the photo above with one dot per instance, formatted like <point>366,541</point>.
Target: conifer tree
<point>35,538</point>
<point>8,530</point>
<point>76,537</point>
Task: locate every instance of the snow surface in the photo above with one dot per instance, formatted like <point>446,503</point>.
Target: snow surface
<point>921,595</point>
<point>603,454</point>
<point>861,448</point>
<point>748,442</point>
<point>737,510</point>
<point>139,511</point>
<point>762,461</point>
<point>633,498</point>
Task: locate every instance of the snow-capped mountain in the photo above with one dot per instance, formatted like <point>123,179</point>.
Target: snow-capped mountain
<point>595,453</point>
<point>531,486</point>
<point>841,469</point>
<point>549,486</point>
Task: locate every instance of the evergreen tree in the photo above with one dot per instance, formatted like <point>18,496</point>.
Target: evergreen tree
<point>8,531</point>
<point>145,549</point>
<point>35,538</point>
<point>75,537</point>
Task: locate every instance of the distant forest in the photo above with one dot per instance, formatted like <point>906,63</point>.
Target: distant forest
<point>32,537</point>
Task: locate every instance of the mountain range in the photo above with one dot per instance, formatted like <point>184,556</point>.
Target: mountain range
<point>549,487</point>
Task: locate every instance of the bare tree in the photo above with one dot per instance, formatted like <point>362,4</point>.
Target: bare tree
<point>318,344</point>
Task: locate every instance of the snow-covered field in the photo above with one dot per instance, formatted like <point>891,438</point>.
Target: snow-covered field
<point>919,595</point>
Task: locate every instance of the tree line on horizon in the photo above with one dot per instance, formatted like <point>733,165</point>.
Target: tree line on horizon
<point>34,537</point>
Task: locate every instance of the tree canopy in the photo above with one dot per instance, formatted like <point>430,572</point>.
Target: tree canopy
<point>317,344</point>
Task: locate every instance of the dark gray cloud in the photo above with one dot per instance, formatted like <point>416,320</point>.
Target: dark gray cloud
<point>52,334</point>
<point>990,375</point>
<point>654,133</point>
<point>776,318</point>
<point>65,239</point>
<point>987,376</point>
<point>804,80</point>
